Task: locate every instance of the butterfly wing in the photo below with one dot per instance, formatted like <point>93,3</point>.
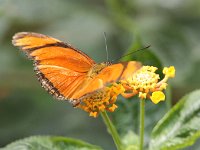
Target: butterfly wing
<point>108,75</point>
<point>118,71</point>
<point>60,68</point>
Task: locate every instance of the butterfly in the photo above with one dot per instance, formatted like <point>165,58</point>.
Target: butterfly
<point>66,72</point>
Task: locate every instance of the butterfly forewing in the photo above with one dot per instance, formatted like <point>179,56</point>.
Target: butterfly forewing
<point>57,64</point>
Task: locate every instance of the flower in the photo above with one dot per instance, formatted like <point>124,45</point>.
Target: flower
<point>147,84</point>
<point>101,100</point>
<point>157,96</point>
<point>144,82</point>
<point>170,72</point>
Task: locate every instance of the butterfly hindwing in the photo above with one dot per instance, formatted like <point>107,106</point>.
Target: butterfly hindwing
<point>109,75</point>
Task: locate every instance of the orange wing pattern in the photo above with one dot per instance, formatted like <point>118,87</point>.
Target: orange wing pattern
<point>60,68</point>
<point>66,72</point>
<point>109,75</point>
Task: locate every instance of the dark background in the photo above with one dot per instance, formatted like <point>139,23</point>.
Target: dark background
<point>172,28</point>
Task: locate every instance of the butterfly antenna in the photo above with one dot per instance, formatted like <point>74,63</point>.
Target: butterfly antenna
<point>144,48</point>
<point>104,34</point>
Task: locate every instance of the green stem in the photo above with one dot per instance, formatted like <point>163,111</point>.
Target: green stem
<point>142,114</point>
<point>112,130</point>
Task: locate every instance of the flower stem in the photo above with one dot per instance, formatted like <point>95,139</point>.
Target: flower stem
<point>112,130</point>
<point>142,114</point>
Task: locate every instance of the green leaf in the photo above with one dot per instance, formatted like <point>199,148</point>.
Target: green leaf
<point>49,143</point>
<point>180,127</point>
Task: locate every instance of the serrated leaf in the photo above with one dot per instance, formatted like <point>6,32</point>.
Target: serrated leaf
<point>180,127</point>
<point>50,143</point>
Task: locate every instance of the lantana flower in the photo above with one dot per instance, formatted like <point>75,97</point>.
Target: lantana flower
<point>147,84</point>
<point>144,82</point>
<point>101,100</point>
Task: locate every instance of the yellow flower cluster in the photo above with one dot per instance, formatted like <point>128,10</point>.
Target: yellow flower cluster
<point>101,100</point>
<point>144,82</point>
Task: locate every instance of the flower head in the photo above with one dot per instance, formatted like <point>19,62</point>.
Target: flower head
<point>147,84</point>
<point>101,100</point>
<point>144,82</point>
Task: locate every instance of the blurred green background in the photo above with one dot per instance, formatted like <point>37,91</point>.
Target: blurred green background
<point>172,28</point>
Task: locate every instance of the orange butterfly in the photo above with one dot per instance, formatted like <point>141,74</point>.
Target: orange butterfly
<point>66,72</point>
